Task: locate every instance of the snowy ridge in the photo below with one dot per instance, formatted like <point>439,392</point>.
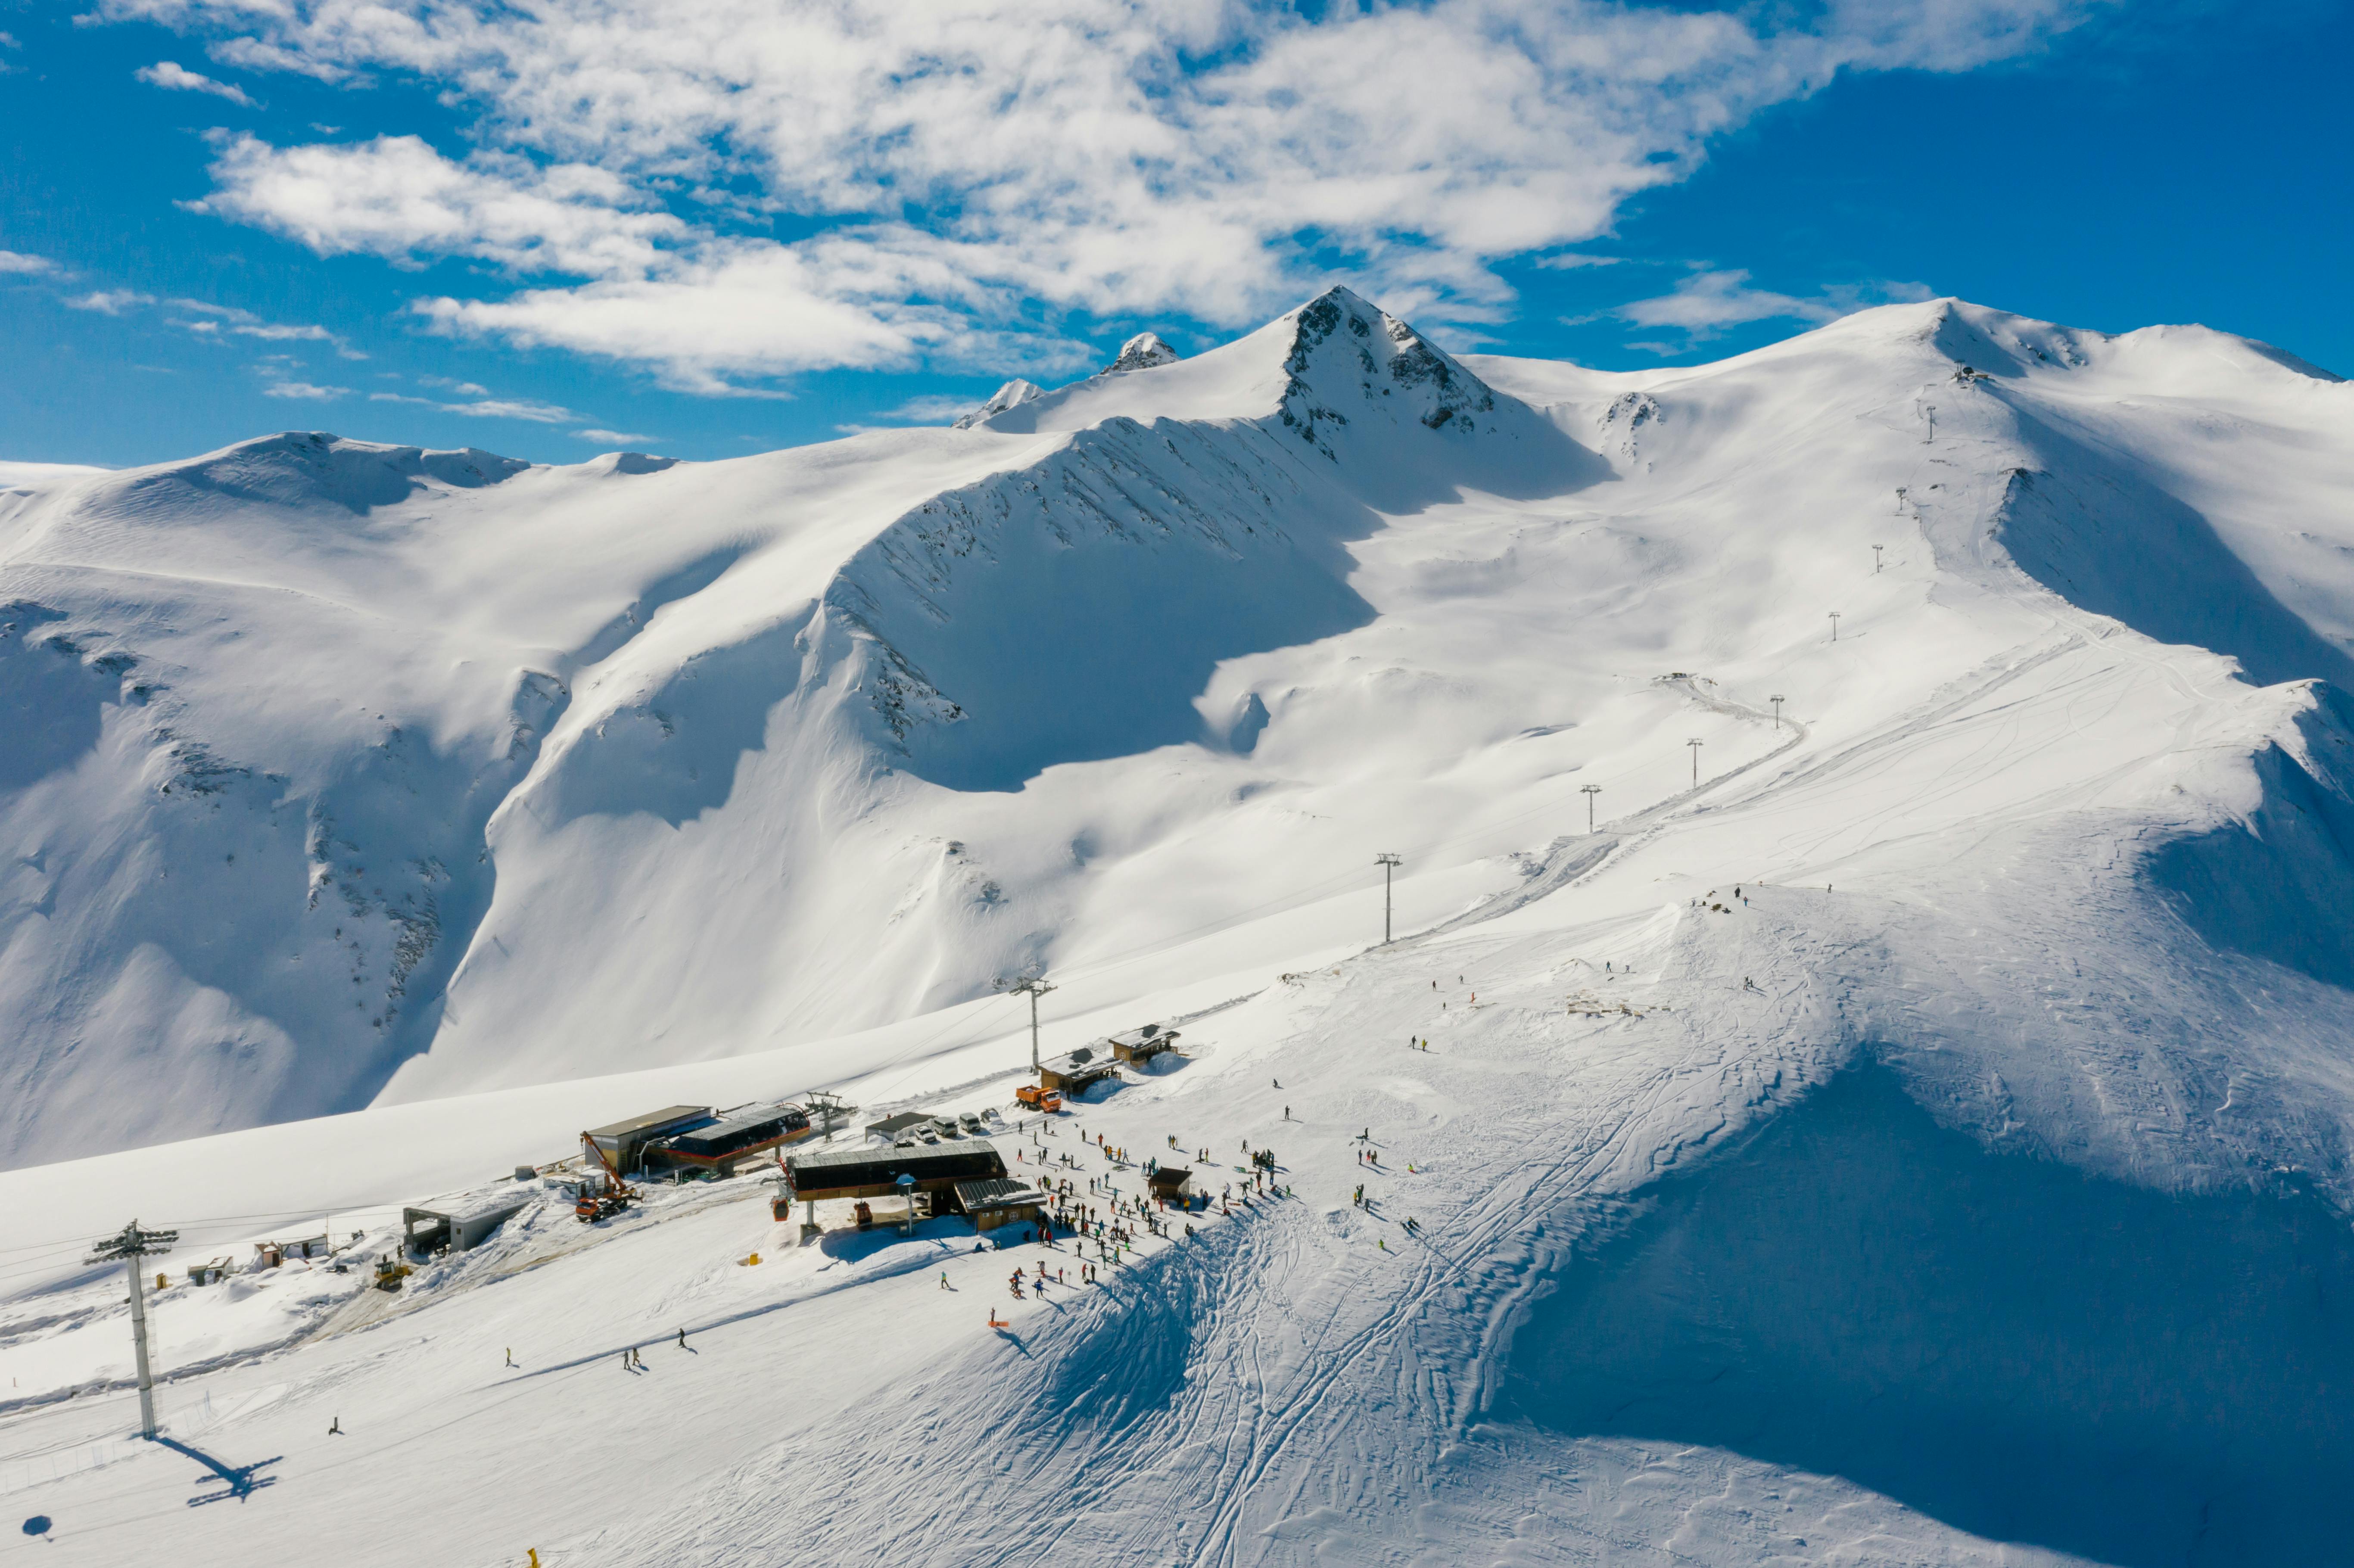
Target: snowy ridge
<point>1823,1159</point>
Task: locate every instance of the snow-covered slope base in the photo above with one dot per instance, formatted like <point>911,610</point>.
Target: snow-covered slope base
<point>1914,1128</point>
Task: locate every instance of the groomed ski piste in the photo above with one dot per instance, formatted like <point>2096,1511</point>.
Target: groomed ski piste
<point>1910,1127</point>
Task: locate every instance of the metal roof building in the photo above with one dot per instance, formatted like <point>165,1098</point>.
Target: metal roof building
<point>1000,1202</point>
<point>463,1223</point>
<point>721,1144</point>
<point>1143,1044</point>
<point>624,1142</point>
<point>889,1129</point>
<point>1073,1071</point>
<point>872,1173</point>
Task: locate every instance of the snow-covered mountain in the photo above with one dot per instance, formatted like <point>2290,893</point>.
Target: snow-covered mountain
<point>1827,1158</point>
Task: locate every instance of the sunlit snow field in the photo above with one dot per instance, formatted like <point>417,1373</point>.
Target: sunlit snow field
<point>1969,1186</point>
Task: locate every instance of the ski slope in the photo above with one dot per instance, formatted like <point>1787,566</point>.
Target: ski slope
<point>1969,1187</point>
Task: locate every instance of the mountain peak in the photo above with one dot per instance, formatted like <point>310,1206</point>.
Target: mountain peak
<point>1012,394</point>
<point>1347,351</point>
<point>1141,352</point>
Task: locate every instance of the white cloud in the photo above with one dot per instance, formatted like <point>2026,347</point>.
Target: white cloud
<point>109,301</point>
<point>395,196</point>
<point>1706,303</point>
<point>171,74</point>
<point>487,407</point>
<point>18,261</point>
<point>245,324</point>
<point>972,167</point>
<point>302,389</point>
<point>619,437</point>
<point>253,54</point>
<point>1711,302</point>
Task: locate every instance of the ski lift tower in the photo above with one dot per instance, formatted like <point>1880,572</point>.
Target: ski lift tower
<point>129,1246</point>
<point>1034,987</point>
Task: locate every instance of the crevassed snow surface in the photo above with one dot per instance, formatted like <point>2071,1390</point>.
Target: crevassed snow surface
<point>1923,1139</point>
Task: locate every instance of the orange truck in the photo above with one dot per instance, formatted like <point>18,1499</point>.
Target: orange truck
<point>1039,1099</point>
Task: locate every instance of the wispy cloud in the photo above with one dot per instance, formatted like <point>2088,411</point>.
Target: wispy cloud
<point>302,389</point>
<point>109,301</point>
<point>216,322</point>
<point>1708,303</point>
<point>172,74</point>
<point>617,436</point>
<point>487,407</point>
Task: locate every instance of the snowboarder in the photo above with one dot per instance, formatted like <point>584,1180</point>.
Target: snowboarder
<point>682,1339</point>
<point>336,1427</point>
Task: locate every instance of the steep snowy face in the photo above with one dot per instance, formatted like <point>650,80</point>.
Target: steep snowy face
<point>340,773</point>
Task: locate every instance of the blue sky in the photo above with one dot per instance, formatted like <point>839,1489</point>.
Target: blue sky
<point>222,218</point>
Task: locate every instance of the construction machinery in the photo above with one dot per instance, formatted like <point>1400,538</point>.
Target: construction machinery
<point>602,1195</point>
<point>1039,1099</point>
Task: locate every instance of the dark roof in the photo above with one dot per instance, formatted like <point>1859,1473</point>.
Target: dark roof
<point>1079,1063</point>
<point>666,1120</point>
<point>1150,1033</point>
<point>900,1123</point>
<point>999,1193</point>
<point>1169,1176</point>
<point>754,1126</point>
<point>819,1160</point>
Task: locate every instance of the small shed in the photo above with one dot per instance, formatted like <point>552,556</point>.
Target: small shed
<point>1143,1044</point>
<point>1173,1183</point>
<point>274,1253</point>
<point>1000,1201</point>
<point>622,1145</point>
<point>462,1225</point>
<point>891,1128</point>
<point>1075,1072</point>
